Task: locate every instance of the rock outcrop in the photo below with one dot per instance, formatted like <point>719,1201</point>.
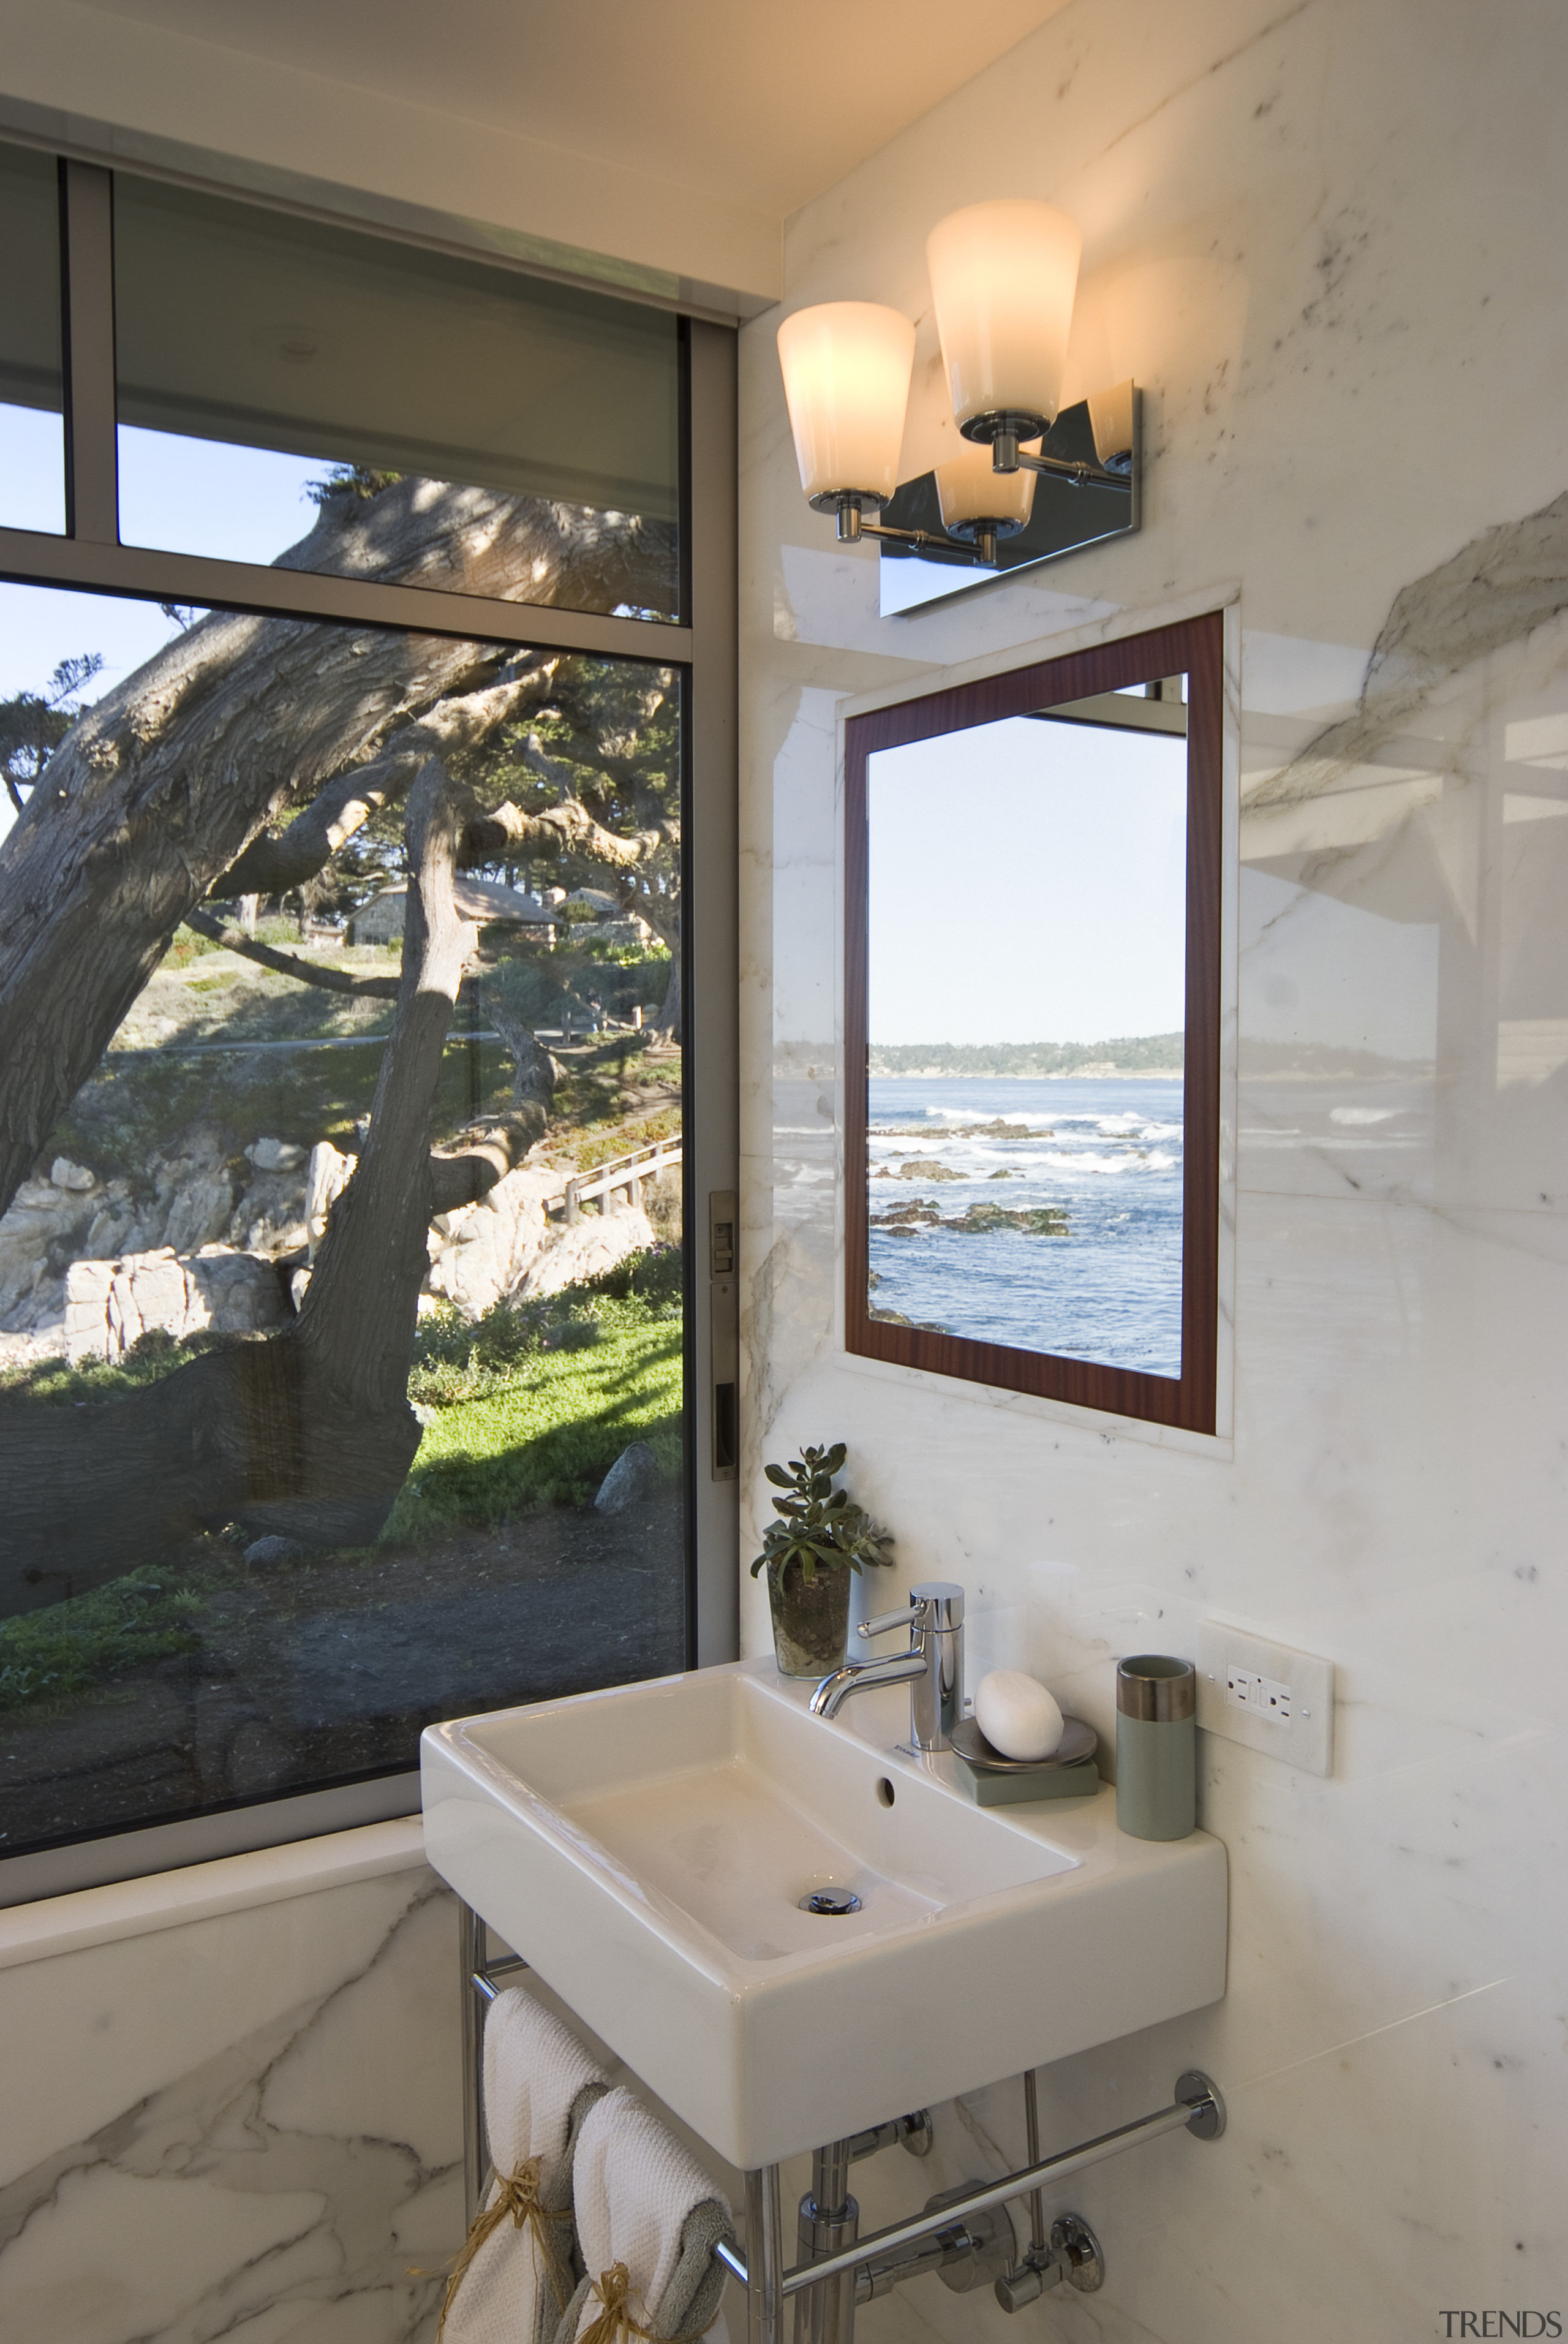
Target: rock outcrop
<point>111,1304</point>
<point>88,1265</point>
<point>184,1203</point>
<point>507,1246</point>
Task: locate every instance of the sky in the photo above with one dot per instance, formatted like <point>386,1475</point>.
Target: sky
<point>186,496</point>
<point>1028,883</point>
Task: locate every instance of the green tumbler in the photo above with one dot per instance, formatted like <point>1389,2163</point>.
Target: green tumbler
<point>1156,1747</point>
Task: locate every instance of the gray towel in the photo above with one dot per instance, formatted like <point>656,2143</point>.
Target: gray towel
<point>642,2200</point>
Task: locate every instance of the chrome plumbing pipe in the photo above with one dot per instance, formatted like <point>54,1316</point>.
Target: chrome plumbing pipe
<point>1039,2236</point>
<point>1202,2113</point>
<point>913,2133</point>
<point>830,2220</point>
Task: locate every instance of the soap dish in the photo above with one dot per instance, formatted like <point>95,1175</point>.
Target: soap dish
<point>993,1780</point>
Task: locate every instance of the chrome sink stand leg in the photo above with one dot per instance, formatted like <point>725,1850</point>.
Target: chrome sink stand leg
<point>764,2257</point>
<point>470,1961</point>
<point>1070,2251</point>
<point>830,2220</point>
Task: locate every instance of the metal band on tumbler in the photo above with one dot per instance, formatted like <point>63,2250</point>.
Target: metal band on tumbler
<point>1148,1685</point>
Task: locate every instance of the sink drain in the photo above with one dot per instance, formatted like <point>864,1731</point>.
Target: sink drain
<point>835,1900</point>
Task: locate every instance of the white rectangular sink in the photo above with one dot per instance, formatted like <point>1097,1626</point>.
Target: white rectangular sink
<point>646,1849</point>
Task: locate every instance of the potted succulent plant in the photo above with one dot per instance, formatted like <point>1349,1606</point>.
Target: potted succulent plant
<point>819,1537</point>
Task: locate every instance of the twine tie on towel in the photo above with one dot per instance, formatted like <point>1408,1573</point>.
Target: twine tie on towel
<point>614,2323</point>
<point>516,2194</point>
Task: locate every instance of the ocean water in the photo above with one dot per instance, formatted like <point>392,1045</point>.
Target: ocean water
<point>1104,1154</point>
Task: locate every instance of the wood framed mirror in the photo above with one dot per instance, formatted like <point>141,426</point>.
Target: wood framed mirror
<point>1033,1027</point>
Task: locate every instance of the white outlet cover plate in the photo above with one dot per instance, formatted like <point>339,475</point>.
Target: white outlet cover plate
<point>1306,1739</point>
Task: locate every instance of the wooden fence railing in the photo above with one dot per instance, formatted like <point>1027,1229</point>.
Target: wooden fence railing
<point>622,1176</point>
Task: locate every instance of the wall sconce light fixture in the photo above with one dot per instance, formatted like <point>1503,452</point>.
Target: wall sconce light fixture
<point>1004,280</point>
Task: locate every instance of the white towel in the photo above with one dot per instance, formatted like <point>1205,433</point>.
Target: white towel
<point>642,2200</point>
<point>540,2084</point>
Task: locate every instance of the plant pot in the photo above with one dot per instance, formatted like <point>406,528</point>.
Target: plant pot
<point>810,1618</point>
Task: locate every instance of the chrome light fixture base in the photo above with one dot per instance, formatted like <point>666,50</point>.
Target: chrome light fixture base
<point>1079,501</point>
<point>842,501</point>
<point>1013,422</point>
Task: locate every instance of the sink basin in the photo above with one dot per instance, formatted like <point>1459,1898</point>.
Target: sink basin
<point>647,1851</point>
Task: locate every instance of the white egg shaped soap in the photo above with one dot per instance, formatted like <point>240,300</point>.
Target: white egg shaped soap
<point>1017,1715</point>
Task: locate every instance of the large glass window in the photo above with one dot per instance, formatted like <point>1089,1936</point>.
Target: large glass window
<point>273,371</point>
<point>341,1325</point>
<point>31,446</point>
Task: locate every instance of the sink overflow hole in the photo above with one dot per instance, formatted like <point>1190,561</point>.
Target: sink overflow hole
<point>885,1791</point>
<point>836,1901</point>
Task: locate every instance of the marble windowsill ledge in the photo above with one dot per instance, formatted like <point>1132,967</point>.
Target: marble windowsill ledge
<point>164,1900</point>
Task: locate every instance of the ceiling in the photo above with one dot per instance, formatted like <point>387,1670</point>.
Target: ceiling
<point>745,99</point>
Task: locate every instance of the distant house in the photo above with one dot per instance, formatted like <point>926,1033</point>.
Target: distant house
<point>380,921</point>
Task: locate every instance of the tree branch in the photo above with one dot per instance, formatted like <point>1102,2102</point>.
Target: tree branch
<point>271,865</point>
<point>567,829</point>
<point>332,980</point>
<point>467,1172</point>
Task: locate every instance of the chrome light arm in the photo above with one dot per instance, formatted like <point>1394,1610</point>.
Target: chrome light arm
<point>1007,456</point>
<point>853,527</point>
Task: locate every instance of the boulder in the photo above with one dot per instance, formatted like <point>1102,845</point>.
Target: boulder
<point>64,1173</point>
<point>196,1194</point>
<point>111,1304</point>
<point>275,1155</point>
<point>631,1480</point>
<point>265,1552</point>
<point>43,1228</point>
<point>326,1177</point>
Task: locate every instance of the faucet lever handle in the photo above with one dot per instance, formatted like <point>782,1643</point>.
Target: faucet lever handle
<point>885,1621</point>
<point>935,1603</point>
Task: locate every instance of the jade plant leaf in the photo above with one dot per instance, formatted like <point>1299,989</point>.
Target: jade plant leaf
<point>819,1526</point>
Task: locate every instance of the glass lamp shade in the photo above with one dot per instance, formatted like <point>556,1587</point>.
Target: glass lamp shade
<point>847,368</point>
<point>968,490</point>
<point>1110,418</point>
<point>1004,277</point>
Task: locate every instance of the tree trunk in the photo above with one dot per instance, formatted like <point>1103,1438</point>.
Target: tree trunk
<point>309,1433</point>
<point>669,1019</point>
<point>533,1071</point>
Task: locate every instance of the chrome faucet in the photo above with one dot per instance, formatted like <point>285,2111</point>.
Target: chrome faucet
<point>934,1667</point>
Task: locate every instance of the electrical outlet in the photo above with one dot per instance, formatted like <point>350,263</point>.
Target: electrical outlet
<point>1239,1688</point>
<point>1271,1699</point>
<point>1266,1696</point>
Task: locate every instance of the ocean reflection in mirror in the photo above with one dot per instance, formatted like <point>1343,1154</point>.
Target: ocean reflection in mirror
<point>1026,971</point>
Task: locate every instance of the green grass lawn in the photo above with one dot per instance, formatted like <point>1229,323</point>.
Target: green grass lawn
<point>528,1408</point>
<point>69,1647</point>
<point>504,1439</point>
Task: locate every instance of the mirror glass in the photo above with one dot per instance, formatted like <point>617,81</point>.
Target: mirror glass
<point>1026,989</point>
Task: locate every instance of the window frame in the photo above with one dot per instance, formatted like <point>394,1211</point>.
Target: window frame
<point>1194,647</point>
<point>89,558</point>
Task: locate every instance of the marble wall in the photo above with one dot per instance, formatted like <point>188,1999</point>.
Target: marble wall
<point>231,2102</point>
<point>1326,237</point>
